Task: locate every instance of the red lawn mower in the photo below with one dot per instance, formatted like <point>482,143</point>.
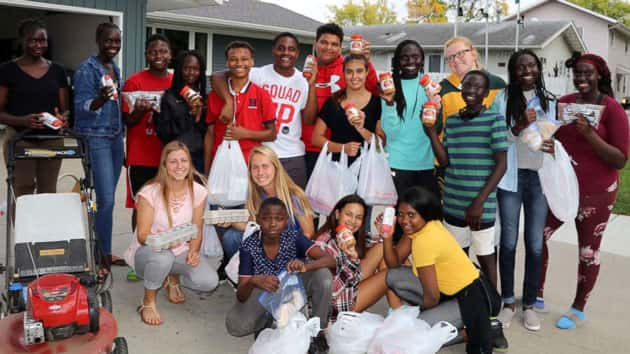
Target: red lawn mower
<point>54,302</point>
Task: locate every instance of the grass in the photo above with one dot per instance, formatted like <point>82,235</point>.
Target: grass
<point>622,206</point>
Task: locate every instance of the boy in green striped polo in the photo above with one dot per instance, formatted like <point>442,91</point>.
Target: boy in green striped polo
<point>474,153</point>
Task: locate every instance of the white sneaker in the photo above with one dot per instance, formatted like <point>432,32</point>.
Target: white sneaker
<point>505,316</point>
<point>530,320</point>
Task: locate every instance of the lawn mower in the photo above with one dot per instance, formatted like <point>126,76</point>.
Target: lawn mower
<point>53,296</point>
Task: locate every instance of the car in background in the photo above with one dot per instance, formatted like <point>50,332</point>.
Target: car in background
<point>625,102</point>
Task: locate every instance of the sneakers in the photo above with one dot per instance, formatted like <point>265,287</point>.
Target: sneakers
<point>499,342</point>
<point>319,345</point>
<point>505,316</point>
<point>530,320</point>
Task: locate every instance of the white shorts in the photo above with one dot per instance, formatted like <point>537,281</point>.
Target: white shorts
<point>482,241</point>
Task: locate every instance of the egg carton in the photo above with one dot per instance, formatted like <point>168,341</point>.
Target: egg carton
<point>226,216</point>
<point>179,234</point>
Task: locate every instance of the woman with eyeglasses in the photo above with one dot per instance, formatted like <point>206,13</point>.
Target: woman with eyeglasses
<point>462,57</point>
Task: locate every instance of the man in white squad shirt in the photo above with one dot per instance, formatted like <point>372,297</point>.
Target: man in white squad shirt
<point>294,97</point>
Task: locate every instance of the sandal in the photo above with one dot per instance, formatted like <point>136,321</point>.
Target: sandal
<point>151,308</point>
<point>117,261</point>
<point>101,275</point>
<point>176,289</point>
<point>572,319</point>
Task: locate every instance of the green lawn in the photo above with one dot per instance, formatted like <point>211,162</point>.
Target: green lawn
<point>623,199</point>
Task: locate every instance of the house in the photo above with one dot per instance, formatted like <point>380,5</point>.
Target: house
<point>552,41</point>
<point>204,25</point>
<point>210,28</point>
<point>602,35</point>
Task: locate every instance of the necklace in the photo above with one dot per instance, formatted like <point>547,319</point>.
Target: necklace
<point>177,202</point>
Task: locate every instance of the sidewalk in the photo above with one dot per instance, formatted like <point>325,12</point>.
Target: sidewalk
<point>198,325</point>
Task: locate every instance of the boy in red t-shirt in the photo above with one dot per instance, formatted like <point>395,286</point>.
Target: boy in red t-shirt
<point>143,145</point>
<point>255,113</point>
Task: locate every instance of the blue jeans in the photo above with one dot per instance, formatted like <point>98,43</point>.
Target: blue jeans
<point>106,157</point>
<point>530,195</point>
<point>231,240</point>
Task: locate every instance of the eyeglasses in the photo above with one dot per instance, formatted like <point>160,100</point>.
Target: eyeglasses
<point>458,55</point>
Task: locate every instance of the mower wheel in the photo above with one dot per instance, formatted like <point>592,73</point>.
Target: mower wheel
<point>94,313</point>
<point>120,346</point>
<point>106,300</point>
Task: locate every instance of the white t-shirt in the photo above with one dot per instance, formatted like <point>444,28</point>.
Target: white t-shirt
<point>289,95</point>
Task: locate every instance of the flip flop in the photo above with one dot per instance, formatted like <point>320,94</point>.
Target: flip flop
<point>132,276</point>
<point>571,319</point>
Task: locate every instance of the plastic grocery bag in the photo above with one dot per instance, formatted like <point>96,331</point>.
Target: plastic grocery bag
<point>559,184</point>
<point>330,181</point>
<point>227,182</point>
<point>353,332</point>
<point>294,338</point>
<point>287,300</point>
<point>376,185</point>
<point>211,245</point>
<point>404,333</point>
<point>231,269</point>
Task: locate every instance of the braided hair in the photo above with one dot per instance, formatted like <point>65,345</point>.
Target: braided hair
<point>104,27</point>
<point>516,103</point>
<point>604,84</point>
<point>399,97</point>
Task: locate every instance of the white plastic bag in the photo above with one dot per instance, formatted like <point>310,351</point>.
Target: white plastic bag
<point>404,333</point>
<point>227,182</point>
<point>559,184</point>
<point>211,245</point>
<point>295,338</point>
<point>376,185</point>
<point>353,332</point>
<point>330,181</point>
<point>231,269</point>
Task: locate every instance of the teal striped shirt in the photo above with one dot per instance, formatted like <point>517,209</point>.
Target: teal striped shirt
<point>471,145</point>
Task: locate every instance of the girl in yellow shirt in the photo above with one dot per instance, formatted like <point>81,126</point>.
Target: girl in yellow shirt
<point>447,276</point>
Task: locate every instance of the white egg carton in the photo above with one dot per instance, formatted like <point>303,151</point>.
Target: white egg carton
<point>226,215</point>
<point>165,240</point>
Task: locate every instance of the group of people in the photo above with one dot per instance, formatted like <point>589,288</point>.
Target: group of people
<point>452,178</point>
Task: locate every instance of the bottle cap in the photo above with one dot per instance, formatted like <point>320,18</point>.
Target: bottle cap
<point>425,79</point>
<point>348,105</point>
<point>184,90</point>
<point>356,37</point>
<point>430,104</point>
<point>340,227</point>
<point>384,75</point>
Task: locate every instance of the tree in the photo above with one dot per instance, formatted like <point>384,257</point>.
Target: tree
<point>473,10</point>
<point>427,11</point>
<point>365,12</point>
<point>616,9</point>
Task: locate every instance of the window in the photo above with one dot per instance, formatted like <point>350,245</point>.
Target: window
<point>201,43</point>
<point>178,39</point>
<point>435,63</point>
<point>612,39</point>
<point>626,49</point>
<point>501,64</point>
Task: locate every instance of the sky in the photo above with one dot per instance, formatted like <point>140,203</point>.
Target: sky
<point>318,9</point>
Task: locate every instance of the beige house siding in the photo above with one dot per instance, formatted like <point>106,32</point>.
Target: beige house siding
<point>593,29</point>
<point>619,62</point>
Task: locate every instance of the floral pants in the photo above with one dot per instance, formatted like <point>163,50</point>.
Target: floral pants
<point>591,221</point>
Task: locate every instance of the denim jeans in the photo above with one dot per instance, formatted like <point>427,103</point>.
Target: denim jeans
<point>530,195</point>
<point>231,240</point>
<point>106,157</point>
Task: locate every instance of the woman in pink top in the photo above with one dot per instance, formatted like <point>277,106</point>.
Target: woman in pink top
<point>598,153</point>
<point>170,199</point>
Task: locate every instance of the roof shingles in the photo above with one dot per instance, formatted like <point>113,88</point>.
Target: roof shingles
<point>255,12</point>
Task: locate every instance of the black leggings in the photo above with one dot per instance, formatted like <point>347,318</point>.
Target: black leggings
<point>474,306</point>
